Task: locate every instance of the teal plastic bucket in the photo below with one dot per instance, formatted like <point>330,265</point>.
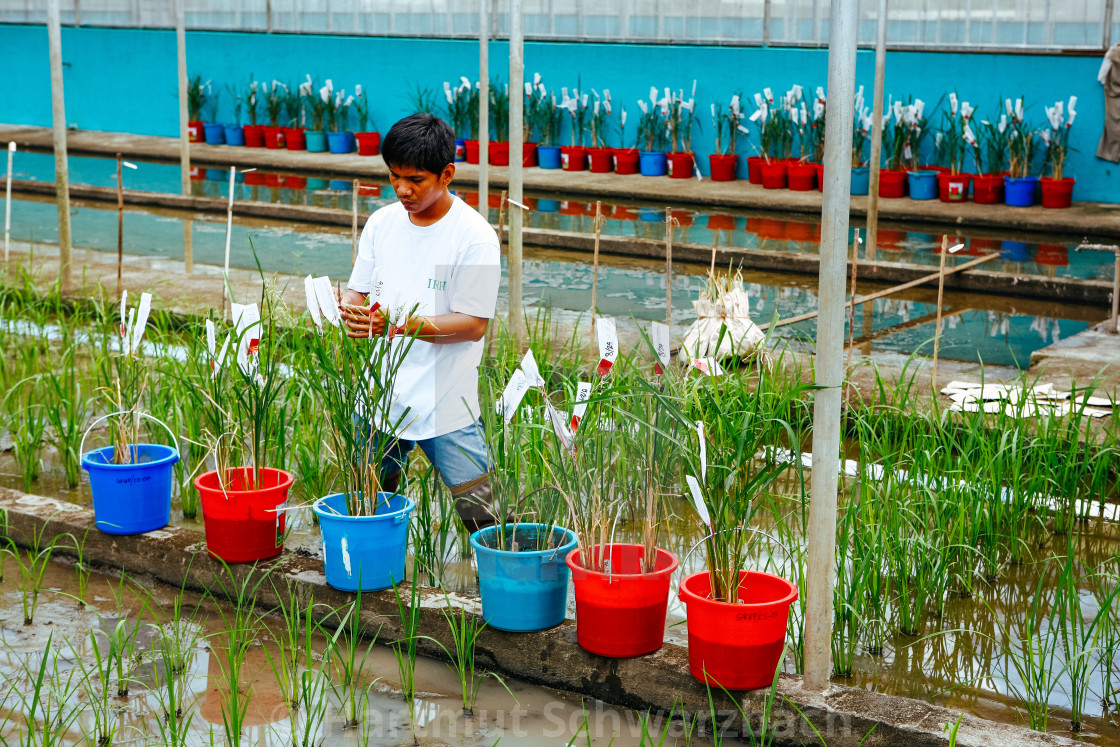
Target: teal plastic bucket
<point>861,180</point>
<point>364,553</point>
<point>923,185</point>
<point>316,141</point>
<point>131,498</point>
<point>525,590</point>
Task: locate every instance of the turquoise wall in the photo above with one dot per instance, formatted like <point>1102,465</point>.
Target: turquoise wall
<point>125,79</point>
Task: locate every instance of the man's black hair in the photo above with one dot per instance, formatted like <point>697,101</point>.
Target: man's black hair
<point>420,141</point>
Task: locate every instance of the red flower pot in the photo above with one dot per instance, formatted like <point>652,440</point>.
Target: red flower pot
<point>601,160</point>
<point>369,190</point>
<point>254,136</point>
<point>721,222</point>
<point>241,520</point>
<point>892,183</point>
<point>499,154</point>
<point>294,139</point>
<point>819,168</point>
<point>754,169</point>
<point>626,160</point>
<point>802,177</point>
<point>472,151</point>
<point>978,247</point>
<point>273,137</point>
<point>953,188</point>
<point>1052,255</point>
<point>797,230</point>
<point>775,174</point>
<point>195,132</point>
<point>294,182</point>
<point>1056,193</point>
<point>573,158</point>
<point>574,207</point>
<point>987,189</point>
<point>722,167</point>
<point>369,143</point>
<point>627,212</point>
<point>528,155</point>
<point>198,174</point>
<point>891,240</point>
<point>255,178</point>
<point>768,228</point>
<point>272,180</point>
<point>680,165</point>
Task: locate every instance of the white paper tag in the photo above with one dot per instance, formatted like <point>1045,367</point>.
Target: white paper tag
<point>698,501</point>
<point>124,313</point>
<point>708,366</point>
<point>211,341</point>
<point>583,393</point>
<point>219,359</point>
<point>328,305</point>
<point>659,336</point>
<point>608,344</point>
<point>312,300</point>
<point>513,394</point>
<point>137,330</point>
<point>703,450</point>
<point>559,425</point>
<point>529,367</point>
<point>247,328</point>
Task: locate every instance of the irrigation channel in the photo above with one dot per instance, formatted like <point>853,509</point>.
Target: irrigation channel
<point>971,573</point>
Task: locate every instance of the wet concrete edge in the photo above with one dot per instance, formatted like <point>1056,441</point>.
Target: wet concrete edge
<point>843,715</point>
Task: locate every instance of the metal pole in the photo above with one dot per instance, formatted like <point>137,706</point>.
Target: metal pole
<point>120,226</point>
<point>8,202</point>
<point>516,162</point>
<point>61,168</point>
<point>484,108</point>
<point>876,134</point>
<point>821,566</point>
<point>1106,31</point>
<point>354,225</point>
<point>229,230</point>
<point>669,267</point>
<point>937,324</point>
<point>184,136</point>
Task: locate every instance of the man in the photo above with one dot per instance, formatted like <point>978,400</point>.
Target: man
<point>431,251</point>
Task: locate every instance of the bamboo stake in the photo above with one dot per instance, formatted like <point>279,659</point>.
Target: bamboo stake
<point>669,267</point>
<point>852,305</point>
<point>8,202</point>
<point>229,231</point>
<point>61,165</point>
<point>598,223</point>
<point>120,226</point>
<point>354,226</point>
<point>940,295</point>
<point>501,219</point>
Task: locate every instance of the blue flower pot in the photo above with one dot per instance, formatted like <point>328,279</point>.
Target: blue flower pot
<point>339,142</point>
<point>217,175</point>
<point>651,215</point>
<point>460,149</point>
<point>923,185</point>
<point>341,185</point>
<point>215,133</point>
<point>315,141</point>
<point>364,553</point>
<point>548,206</point>
<point>1015,251</point>
<point>131,498</point>
<point>861,180</point>
<point>653,164</point>
<point>234,135</point>
<point>525,590</point>
<point>1019,191</point>
<point>548,156</point>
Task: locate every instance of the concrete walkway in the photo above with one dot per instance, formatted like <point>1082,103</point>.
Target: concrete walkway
<point>1094,220</point>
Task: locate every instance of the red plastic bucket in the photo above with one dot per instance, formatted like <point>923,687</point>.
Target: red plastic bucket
<point>573,158</point>
<point>369,143</point>
<point>802,177</point>
<point>953,188</point>
<point>987,189</point>
<point>722,167</point>
<point>774,174</point>
<point>528,154</point>
<point>602,160</point>
<point>754,169</point>
<point>737,646</point>
<point>892,183</point>
<point>498,154</point>
<point>273,137</point>
<point>294,139</point>
<point>627,160</point>
<point>680,165</point>
<point>1056,193</point>
<point>243,525</point>
<point>254,136</point>
<point>621,613</point>
<point>195,132</point>
<point>819,168</point>
<point>471,147</point>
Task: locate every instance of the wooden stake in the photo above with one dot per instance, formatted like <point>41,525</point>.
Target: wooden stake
<point>501,218</point>
<point>669,267</point>
<point>354,226</point>
<point>940,296</point>
<point>229,231</point>
<point>595,264</point>
<point>852,305</point>
<point>120,226</point>
<point>61,165</point>
<point>8,201</point>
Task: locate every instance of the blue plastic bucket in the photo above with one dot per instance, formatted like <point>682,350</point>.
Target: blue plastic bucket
<point>653,164</point>
<point>131,498</point>
<point>1019,191</point>
<point>234,135</point>
<point>923,185</point>
<point>1015,251</point>
<point>861,180</point>
<point>526,590</point>
<point>364,553</point>
<point>545,205</point>
<point>460,149</point>
<point>215,133</point>
<point>339,142</point>
<point>548,156</point>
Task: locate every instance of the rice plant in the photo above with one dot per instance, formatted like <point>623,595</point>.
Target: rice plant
<point>27,424</point>
<point>176,642</point>
<point>433,530</point>
<point>404,648</point>
<point>240,627</point>
<point>349,667</point>
<point>45,698</point>
<point>67,412</point>
<point>32,564</point>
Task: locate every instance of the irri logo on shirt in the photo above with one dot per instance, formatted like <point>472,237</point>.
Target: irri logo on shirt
<point>438,285</point>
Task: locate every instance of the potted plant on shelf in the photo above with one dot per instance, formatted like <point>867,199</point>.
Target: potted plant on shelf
<point>130,482</point>
<point>498,152</point>
<point>535,112</point>
<point>991,162</point>
<point>1057,189</point>
<point>680,120</point>
<point>910,122</point>
<point>254,133</point>
<point>196,99</point>
<point>369,140</point>
<point>773,130</point>
<point>574,157</point>
<point>458,114</point>
<point>955,139</point>
<point>722,166</point>
<point>551,121</point>
<point>736,617</point>
<point>243,500</point>
<point>315,139</point>
<point>652,135</point>
<point>892,176</point>
<point>234,134</point>
<point>213,131</point>
<point>1019,185</point>
<point>365,529</point>
<point>274,106</point>
<point>801,174</point>
<point>626,160</point>
<point>600,157</point>
<point>294,102</point>
<point>338,116</point>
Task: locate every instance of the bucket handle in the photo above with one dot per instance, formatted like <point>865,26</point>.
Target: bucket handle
<point>768,536</point>
<point>103,418</point>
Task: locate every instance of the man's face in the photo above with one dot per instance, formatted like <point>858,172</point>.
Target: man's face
<point>418,189</point>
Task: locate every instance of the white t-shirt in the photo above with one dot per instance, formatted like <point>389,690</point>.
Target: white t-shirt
<point>453,265</point>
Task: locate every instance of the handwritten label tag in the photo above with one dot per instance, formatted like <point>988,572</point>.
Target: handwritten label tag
<point>532,373</point>
<point>608,345</point>
<point>513,394</point>
<point>312,301</point>
<point>703,450</point>
<point>124,313</point>
<point>247,327</point>
<point>328,305</point>
<point>698,500</point>
<point>708,366</point>
<point>583,393</point>
<point>559,425</point>
<point>659,336</point>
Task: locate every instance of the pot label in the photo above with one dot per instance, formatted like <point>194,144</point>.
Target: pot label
<point>956,191</point>
<point>614,160</point>
<point>583,393</point>
<point>564,160</point>
<point>608,344</point>
<point>659,336</point>
<point>670,167</point>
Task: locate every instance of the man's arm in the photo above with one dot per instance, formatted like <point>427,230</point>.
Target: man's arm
<point>439,329</point>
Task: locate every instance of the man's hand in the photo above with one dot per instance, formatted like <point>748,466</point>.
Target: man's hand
<point>355,315</point>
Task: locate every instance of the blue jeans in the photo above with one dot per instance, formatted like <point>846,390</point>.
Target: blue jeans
<point>460,456</point>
